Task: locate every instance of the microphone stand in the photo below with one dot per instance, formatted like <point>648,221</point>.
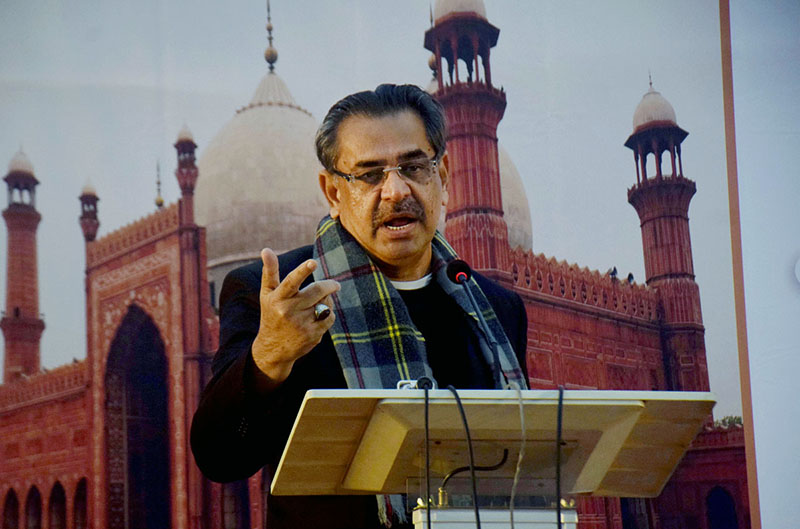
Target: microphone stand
<point>461,276</point>
<point>490,335</point>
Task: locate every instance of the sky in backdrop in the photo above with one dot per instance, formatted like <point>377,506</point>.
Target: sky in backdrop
<point>98,90</point>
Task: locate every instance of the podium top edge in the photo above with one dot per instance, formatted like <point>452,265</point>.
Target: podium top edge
<point>570,395</point>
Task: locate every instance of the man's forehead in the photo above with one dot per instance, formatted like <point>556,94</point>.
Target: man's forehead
<point>364,140</point>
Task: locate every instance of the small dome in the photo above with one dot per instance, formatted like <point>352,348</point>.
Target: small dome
<point>88,190</point>
<point>185,134</point>
<point>653,108</point>
<point>516,209</point>
<point>21,163</point>
<point>257,185</point>
<point>443,8</point>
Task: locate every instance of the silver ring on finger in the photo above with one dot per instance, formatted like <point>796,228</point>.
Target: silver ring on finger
<point>321,311</point>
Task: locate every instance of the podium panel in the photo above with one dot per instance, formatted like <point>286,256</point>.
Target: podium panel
<point>615,443</point>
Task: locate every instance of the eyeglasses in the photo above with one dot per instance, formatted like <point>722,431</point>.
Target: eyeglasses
<point>417,171</point>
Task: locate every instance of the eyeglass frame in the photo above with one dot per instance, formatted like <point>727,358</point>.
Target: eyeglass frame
<point>349,178</point>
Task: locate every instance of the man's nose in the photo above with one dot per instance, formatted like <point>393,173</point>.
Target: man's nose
<point>395,187</point>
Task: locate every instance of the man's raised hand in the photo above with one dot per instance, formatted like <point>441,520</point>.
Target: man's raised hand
<point>287,328</point>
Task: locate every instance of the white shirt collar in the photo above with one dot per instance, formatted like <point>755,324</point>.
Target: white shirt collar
<point>416,284</point>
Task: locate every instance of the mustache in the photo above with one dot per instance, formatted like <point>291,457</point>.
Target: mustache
<point>408,207</point>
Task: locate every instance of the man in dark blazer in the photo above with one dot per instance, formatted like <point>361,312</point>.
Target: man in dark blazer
<point>377,263</point>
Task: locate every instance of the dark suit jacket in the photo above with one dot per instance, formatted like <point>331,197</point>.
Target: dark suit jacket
<point>235,431</point>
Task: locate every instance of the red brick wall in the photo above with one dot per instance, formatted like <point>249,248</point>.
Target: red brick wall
<point>42,444</point>
<point>716,459</point>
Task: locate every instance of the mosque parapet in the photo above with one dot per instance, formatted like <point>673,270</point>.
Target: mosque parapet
<point>58,383</point>
<point>538,273</point>
<point>143,231</point>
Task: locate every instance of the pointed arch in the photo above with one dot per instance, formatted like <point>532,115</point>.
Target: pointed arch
<point>33,509</point>
<point>11,510</point>
<point>137,437</point>
<point>57,507</point>
<point>79,512</point>
<point>721,509</point>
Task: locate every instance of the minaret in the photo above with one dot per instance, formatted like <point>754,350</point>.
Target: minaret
<point>662,202</point>
<point>195,306</point>
<point>473,106</point>
<point>88,218</point>
<point>21,323</point>
<point>186,174</point>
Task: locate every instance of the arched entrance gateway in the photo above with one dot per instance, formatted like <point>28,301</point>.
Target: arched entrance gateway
<point>721,510</point>
<point>137,434</point>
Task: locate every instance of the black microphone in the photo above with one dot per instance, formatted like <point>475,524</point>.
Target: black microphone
<point>460,273</point>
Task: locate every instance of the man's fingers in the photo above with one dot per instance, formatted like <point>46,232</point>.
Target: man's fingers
<point>270,274</point>
<point>290,285</point>
<point>318,292</point>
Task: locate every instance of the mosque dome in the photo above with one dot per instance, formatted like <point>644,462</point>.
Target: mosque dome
<point>258,180</point>
<point>516,210</point>
<point>20,163</point>
<point>443,8</point>
<point>653,109</point>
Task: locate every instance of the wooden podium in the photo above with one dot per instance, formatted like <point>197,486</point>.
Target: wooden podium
<point>614,443</point>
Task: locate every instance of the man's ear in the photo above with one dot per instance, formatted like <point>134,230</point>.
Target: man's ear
<point>444,175</point>
<point>327,182</point>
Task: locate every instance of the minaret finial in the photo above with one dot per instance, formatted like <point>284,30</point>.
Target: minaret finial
<point>270,54</point>
<point>650,77</point>
<point>159,199</point>
<point>430,8</point>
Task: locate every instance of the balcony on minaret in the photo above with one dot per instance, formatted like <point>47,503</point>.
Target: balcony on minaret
<point>655,132</point>
<point>21,182</point>
<point>463,39</point>
<point>88,219</point>
<point>186,172</point>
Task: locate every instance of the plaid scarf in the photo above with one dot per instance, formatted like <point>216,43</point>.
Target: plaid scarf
<point>374,337</point>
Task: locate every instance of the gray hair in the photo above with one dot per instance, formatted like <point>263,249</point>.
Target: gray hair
<point>384,100</point>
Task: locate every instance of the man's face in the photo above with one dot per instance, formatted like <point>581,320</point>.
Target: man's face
<point>394,220</point>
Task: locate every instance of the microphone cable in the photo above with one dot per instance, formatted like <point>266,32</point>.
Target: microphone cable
<point>427,460</point>
<point>471,457</point>
<point>523,439</point>
<point>477,468</point>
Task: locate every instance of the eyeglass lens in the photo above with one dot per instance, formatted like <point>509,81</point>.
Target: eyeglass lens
<point>417,171</point>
